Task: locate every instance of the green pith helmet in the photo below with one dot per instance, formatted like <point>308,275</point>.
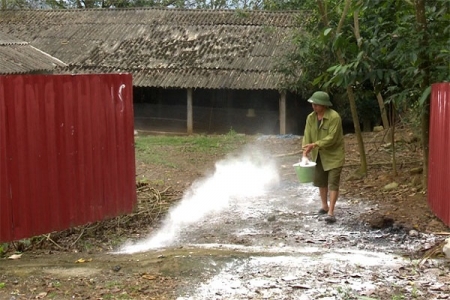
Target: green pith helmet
<point>320,98</point>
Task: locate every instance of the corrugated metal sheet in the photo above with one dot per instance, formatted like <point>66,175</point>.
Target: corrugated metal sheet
<point>18,57</point>
<point>66,151</point>
<point>246,46</point>
<point>439,155</point>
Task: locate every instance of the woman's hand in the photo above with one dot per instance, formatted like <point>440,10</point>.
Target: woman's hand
<point>307,148</point>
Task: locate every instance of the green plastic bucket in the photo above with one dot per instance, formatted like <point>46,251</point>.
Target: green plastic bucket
<point>305,173</point>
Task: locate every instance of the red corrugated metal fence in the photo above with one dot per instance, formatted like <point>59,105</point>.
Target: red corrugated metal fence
<point>439,155</point>
<point>66,151</point>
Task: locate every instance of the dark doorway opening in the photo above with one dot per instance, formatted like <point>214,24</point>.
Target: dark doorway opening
<point>217,111</point>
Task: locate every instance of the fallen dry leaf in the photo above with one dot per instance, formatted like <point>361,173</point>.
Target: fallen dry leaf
<point>15,256</point>
<point>300,286</point>
<point>41,295</point>
<point>82,260</point>
<point>149,277</point>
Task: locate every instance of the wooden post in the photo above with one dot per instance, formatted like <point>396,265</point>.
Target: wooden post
<point>282,108</point>
<point>190,122</point>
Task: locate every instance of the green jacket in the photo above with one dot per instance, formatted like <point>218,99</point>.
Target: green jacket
<point>328,136</point>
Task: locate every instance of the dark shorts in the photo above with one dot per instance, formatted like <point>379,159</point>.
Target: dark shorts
<point>330,179</point>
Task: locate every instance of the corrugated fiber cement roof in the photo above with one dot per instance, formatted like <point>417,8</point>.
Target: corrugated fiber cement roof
<point>169,48</point>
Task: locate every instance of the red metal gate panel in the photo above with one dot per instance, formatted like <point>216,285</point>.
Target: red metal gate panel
<point>439,155</point>
<point>66,151</point>
<point>5,203</point>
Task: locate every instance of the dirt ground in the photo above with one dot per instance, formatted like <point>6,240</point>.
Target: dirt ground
<point>51,266</point>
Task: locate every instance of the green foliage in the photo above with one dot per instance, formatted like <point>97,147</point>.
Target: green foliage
<point>305,68</point>
<point>366,104</point>
<point>406,55</point>
<point>411,114</point>
<point>231,133</point>
<point>392,47</point>
<point>398,297</point>
<point>391,56</point>
<point>3,249</point>
<point>288,4</point>
<point>344,292</point>
<point>242,13</point>
<point>2,285</point>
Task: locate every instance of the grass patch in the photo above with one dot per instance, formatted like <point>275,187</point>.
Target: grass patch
<point>113,284</point>
<point>153,149</point>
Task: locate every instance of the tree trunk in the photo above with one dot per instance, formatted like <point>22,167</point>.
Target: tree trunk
<point>362,151</point>
<point>425,122</point>
<point>383,112</point>
<point>323,12</point>
<point>392,134</point>
<point>351,96</point>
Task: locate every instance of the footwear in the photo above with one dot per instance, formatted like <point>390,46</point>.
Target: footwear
<point>322,211</point>
<point>330,219</point>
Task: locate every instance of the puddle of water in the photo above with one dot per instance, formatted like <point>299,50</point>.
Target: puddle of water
<point>248,175</point>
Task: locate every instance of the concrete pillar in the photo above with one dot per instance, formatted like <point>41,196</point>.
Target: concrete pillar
<point>282,109</point>
<point>190,119</point>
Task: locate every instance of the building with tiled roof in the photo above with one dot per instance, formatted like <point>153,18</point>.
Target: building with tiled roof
<point>19,57</point>
<point>218,65</point>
